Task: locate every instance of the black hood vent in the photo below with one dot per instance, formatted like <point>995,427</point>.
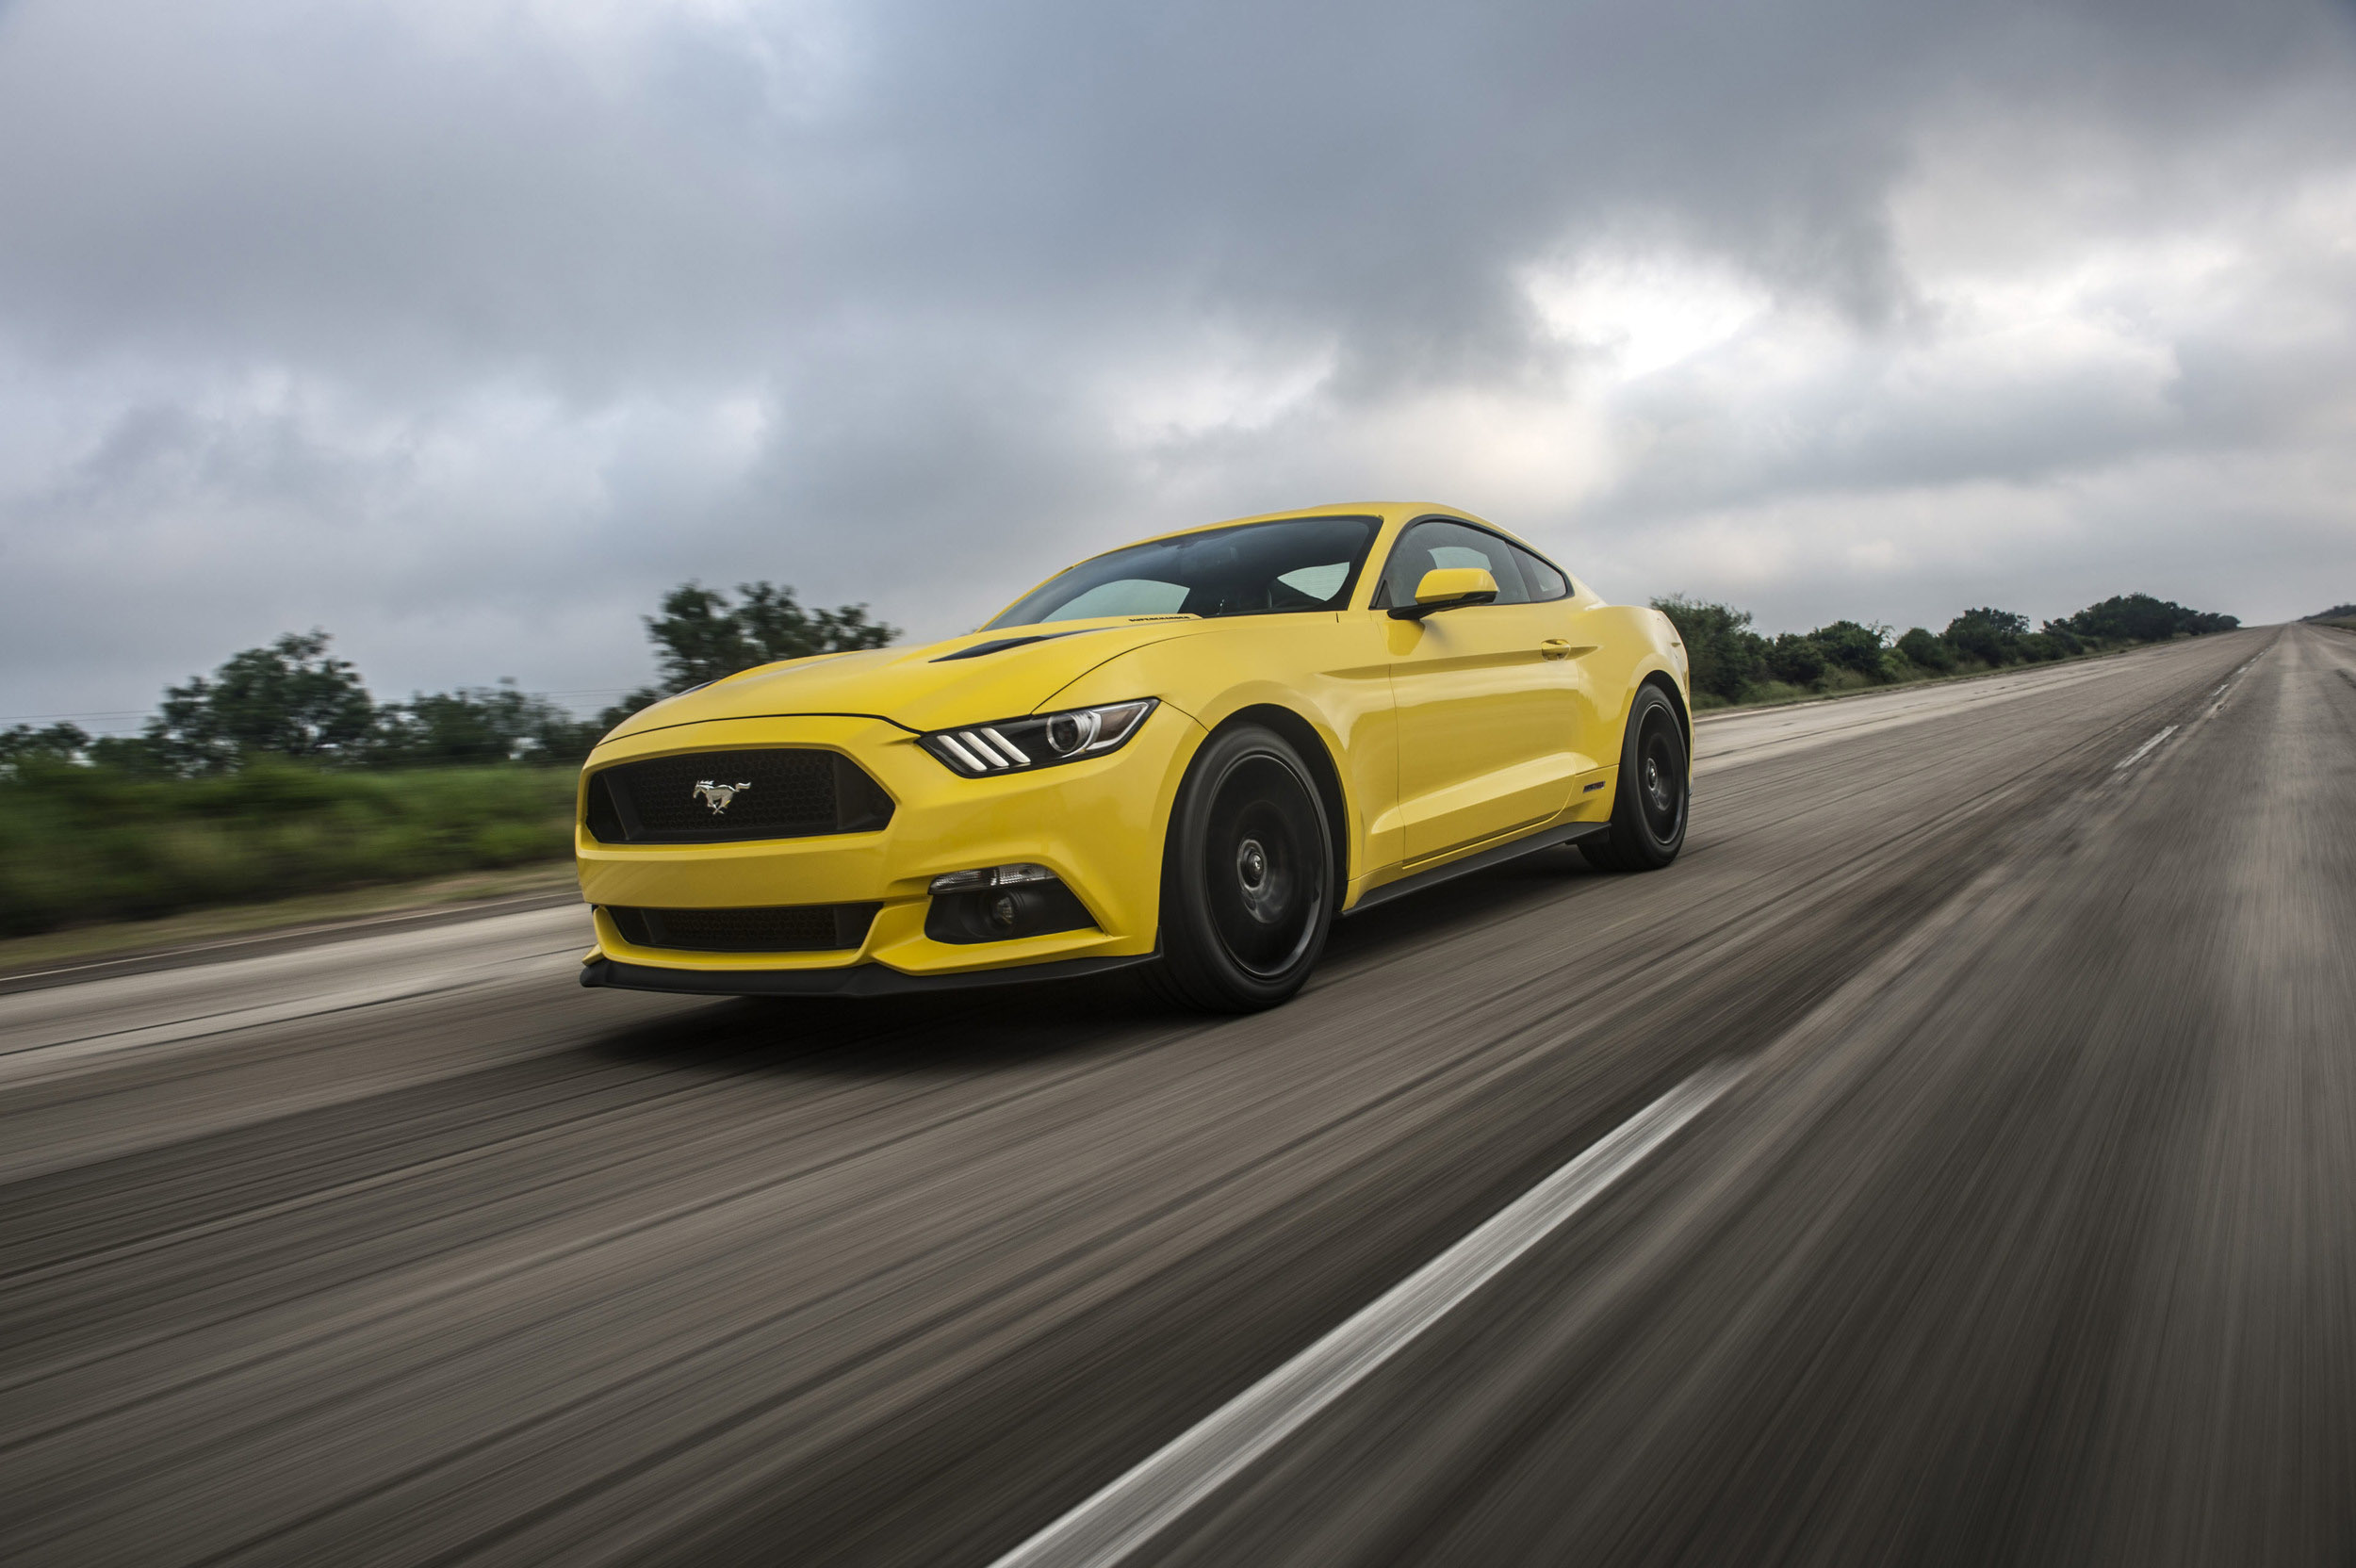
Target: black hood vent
<point>1002,644</point>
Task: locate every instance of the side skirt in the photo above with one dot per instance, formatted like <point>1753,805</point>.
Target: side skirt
<point>1562,833</point>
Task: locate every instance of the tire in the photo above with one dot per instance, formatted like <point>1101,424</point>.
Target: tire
<point>1656,794</point>
<point>1247,876</point>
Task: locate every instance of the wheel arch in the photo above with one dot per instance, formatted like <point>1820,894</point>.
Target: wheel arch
<point>1677,705</point>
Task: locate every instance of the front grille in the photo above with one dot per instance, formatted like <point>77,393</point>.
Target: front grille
<point>786,928</point>
<point>702,797</point>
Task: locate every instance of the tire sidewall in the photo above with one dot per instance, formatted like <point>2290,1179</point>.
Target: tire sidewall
<point>1631,831</point>
<point>1204,970</point>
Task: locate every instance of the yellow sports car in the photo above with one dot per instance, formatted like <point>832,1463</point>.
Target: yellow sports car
<point>1192,753</point>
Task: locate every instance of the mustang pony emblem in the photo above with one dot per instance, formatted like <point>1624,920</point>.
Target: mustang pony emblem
<point>718,795</point>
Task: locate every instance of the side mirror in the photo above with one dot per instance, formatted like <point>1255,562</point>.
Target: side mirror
<point>1446,589</point>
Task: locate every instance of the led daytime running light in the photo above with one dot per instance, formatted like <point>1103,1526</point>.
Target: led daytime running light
<point>1038,739</point>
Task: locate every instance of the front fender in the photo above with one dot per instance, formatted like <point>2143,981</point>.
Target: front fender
<point>1334,678</point>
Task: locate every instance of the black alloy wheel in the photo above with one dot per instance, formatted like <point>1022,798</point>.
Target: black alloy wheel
<point>1656,792</point>
<point>1248,878</point>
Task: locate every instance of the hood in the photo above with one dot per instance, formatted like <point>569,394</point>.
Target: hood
<point>960,680</point>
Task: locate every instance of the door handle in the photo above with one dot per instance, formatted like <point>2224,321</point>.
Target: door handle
<point>1555,647</point>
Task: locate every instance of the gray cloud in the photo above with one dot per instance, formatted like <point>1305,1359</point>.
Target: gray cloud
<point>465,329</point>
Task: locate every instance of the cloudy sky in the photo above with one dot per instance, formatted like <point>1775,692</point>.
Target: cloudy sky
<point>462,328</point>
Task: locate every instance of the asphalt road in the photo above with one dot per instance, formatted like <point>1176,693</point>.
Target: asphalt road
<point>2008,1212</point>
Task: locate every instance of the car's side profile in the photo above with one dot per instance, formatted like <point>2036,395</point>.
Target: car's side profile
<point>1194,752</point>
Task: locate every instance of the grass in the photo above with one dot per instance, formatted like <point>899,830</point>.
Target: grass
<point>81,844</point>
<point>230,924</point>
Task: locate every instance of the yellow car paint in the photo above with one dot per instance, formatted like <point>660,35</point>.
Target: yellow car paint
<point>1445,736</point>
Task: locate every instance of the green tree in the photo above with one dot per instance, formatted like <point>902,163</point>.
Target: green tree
<point>1797,659</point>
<point>777,627</point>
<point>700,636</point>
<point>130,754</point>
<point>1924,648</point>
<point>697,638</point>
<point>2141,618</point>
<point>1991,636</point>
<point>54,745</point>
<point>1853,646</point>
<point>289,699</point>
<point>1725,655</point>
<point>482,724</point>
<point>2058,635</point>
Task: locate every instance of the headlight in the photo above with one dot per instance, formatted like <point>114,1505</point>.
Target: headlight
<point>1040,740</point>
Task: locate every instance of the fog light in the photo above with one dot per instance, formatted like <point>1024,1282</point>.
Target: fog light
<point>1002,904</point>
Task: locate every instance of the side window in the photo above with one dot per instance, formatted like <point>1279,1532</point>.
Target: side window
<point>1543,580</point>
<point>1432,545</point>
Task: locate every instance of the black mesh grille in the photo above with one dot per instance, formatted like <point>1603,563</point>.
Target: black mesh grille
<point>788,928</point>
<point>715,796</point>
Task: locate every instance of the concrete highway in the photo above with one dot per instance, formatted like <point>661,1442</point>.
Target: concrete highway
<point>1951,1159</point>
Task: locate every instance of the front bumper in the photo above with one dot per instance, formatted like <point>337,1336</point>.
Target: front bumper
<point>1097,825</point>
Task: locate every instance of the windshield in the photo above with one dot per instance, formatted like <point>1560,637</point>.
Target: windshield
<point>1257,569</point>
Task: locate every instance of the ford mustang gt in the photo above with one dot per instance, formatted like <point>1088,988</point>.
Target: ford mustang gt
<point>1192,753</point>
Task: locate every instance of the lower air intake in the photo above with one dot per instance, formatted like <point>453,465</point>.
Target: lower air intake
<point>782,928</point>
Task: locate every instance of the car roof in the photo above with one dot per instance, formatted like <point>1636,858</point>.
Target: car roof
<point>1387,511</point>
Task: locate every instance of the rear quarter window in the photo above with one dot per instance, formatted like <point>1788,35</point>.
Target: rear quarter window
<point>1543,580</point>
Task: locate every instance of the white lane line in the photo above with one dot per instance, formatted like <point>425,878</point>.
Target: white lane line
<point>1127,1513</point>
<point>2140,752</point>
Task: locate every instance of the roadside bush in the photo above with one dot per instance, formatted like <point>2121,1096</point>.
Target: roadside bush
<point>1796,659</point>
<point>1922,648</point>
<point>1989,635</point>
<point>1725,653</point>
<point>1849,646</point>
<point>84,843</point>
<point>1733,664</point>
<point>2141,618</point>
<point>1840,679</point>
<point>2062,638</point>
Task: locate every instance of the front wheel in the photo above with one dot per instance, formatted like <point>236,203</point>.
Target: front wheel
<point>1655,792</point>
<point>1248,875</point>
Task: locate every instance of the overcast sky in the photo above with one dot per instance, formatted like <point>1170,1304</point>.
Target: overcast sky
<point>464,328</point>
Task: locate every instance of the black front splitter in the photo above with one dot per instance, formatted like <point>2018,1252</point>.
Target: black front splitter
<point>850,980</point>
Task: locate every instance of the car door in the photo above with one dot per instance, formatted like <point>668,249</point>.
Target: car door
<point>1488,717</point>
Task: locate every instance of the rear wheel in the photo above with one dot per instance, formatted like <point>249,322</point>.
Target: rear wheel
<point>1656,792</point>
<point>1247,875</point>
